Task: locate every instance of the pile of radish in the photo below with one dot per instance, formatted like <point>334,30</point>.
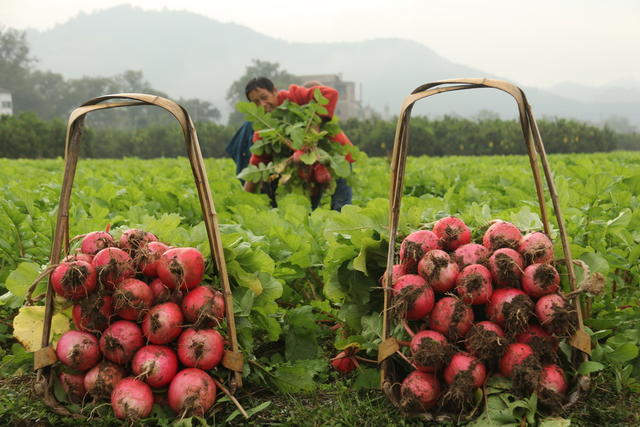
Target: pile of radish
<point>146,327</point>
<point>473,310</point>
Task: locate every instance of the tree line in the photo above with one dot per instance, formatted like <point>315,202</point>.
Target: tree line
<point>25,135</point>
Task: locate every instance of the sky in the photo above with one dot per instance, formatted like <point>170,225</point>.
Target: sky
<point>537,43</point>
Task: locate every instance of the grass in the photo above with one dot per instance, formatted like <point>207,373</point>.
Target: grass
<point>331,405</point>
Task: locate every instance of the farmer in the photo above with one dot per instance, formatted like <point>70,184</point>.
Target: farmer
<point>262,92</point>
<point>239,147</point>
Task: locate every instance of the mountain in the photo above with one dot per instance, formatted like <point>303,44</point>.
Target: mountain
<point>189,55</point>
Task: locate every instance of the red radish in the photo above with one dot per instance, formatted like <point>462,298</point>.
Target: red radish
<point>521,365</point>
<point>429,350</point>
<point>78,256</point>
<point>543,344</point>
<point>203,305</point>
<point>471,253</point>
<point>112,265</point>
<point>120,341</point>
<point>161,293</point>
<point>73,385</point>
<point>552,388</point>
<point>473,284</point>
<point>466,371</point>
<point>305,172</point>
<point>150,258</point>
<point>556,314</point>
<point>131,299</point>
<point>92,314</point>
<point>452,232</point>
<point>192,392</point>
<point>506,267</point>
<point>501,234</point>
<point>133,239</point>
<point>297,154</point>
<point>74,280</point>
<point>201,348</point>
<point>438,270</point>
<point>78,350</point>
<point>344,362</point>
<point>155,364</point>
<point>321,174</point>
<point>419,392</point>
<point>102,378</point>
<point>181,268</point>
<point>415,245</point>
<point>397,271</point>
<point>131,399</point>
<point>94,242</point>
<point>163,323</point>
<point>540,279</point>
<point>451,317</point>
<point>486,341</point>
<point>536,248</point>
<point>413,298</point>
<point>510,308</point>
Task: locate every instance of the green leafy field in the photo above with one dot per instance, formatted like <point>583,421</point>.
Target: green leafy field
<point>306,284</point>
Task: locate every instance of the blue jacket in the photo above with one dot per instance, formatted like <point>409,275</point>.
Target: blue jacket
<point>239,146</point>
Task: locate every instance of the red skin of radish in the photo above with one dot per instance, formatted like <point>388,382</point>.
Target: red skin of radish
<point>462,362</point>
<point>423,304</point>
<point>417,339</point>
<point>511,277</point>
<point>501,234</point>
<point>321,174</point>
<point>201,348</point>
<point>397,271</point>
<point>131,399</point>
<point>74,280</point>
<point>471,276</point>
<point>94,242</point>
<point>78,256</point>
<point>442,315</point>
<point>471,253</point>
<point>552,378</point>
<point>157,363</point>
<point>452,232</point>
<point>100,380</point>
<point>120,341</point>
<point>536,247</point>
<point>163,323</point>
<point>134,239</point>
<point>343,363</point>
<point>192,392</point>
<point>516,353</point>
<point>424,386</point>
<point>532,278</point>
<point>531,332</point>
<point>73,385</point>
<point>487,326</point>
<point>498,299</point>
<point>154,251</point>
<point>415,245</point>
<point>203,303</point>
<point>438,270</point>
<point>111,256</point>
<point>161,293</point>
<point>132,298</point>
<point>177,262</point>
<point>78,350</point>
<point>544,308</point>
<point>93,320</point>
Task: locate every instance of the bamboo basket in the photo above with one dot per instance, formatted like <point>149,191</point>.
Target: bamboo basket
<point>580,342</point>
<point>43,358</point>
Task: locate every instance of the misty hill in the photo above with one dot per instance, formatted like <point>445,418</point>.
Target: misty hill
<point>189,55</point>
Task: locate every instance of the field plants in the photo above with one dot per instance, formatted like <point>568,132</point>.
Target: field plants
<point>305,283</point>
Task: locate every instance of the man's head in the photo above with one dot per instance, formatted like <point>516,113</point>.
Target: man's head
<point>262,92</point>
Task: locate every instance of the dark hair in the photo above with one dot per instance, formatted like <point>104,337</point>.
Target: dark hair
<point>257,83</point>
